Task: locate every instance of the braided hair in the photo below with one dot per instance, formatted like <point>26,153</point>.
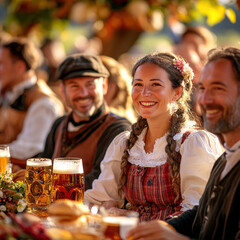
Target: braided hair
<point>178,119</point>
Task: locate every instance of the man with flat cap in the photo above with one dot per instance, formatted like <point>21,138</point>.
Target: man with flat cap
<point>90,127</point>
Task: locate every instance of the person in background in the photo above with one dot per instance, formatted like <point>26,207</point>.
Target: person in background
<point>194,44</point>
<point>29,107</point>
<point>164,162</point>
<point>53,53</point>
<point>90,127</point>
<point>218,214</point>
<point>199,38</point>
<point>118,96</point>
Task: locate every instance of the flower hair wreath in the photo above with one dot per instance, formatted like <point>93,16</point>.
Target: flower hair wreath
<point>184,68</point>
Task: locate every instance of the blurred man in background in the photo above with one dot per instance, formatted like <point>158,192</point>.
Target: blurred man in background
<point>28,106</point>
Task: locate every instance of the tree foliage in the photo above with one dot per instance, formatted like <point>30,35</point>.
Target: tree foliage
<point>109,15</point>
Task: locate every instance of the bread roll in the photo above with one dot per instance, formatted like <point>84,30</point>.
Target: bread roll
<point>59,234</point>
<point>85,236</point>
<point>67,208</point>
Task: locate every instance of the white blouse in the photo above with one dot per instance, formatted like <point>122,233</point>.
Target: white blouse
<point>199,152</point>
<point>37,124</point>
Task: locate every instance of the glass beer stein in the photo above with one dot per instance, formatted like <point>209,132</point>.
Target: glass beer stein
<point>4,158</point>
<point>118,226</point>
<point>38,182</point>
<point>68,179</point>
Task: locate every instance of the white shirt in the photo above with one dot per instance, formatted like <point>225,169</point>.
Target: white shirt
<point>38,121</point>
<point>199,152</point>
<point>232,156</point>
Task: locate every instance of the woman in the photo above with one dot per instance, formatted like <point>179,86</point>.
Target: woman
<point>165,161</point>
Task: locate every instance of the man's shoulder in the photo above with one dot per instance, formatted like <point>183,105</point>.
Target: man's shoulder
<point>117,125</point>
<point>60,119</point>
<point>57,122</point>
<point>117,117</point>
<point>116,120</point>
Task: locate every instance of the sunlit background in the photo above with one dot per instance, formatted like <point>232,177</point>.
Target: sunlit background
<point>117,27</point>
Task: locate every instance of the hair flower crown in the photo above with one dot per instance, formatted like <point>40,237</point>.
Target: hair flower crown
<point>184,68</point>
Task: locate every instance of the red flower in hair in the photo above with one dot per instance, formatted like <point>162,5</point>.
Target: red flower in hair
<point>184,68</point>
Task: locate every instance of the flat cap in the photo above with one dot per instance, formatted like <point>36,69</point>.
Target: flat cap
<point>81,65</point>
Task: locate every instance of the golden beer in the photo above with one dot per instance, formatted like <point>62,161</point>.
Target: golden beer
<point>68,179</point>
<point>118,227</point>
<point>4,157</point>
<point>38,182</point>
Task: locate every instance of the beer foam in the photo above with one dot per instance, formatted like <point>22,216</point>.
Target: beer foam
<point>4,153</point>
<point>67,167</point>
<point>39,163</point>
<point>122,221</point>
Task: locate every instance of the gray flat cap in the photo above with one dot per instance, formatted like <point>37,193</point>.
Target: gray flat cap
<point>81,65</point>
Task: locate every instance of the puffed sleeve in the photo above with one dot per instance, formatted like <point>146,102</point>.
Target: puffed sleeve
<point>105,188</point>
<point>199,152</point>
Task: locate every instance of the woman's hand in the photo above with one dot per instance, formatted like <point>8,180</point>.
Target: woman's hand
<point>154,230</point>
<point>111,204</point>
<point>114,211</point>
<point>114,208</point>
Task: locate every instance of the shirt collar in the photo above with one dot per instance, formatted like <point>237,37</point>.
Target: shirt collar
<point>18,89</point>
<point>233,148</point>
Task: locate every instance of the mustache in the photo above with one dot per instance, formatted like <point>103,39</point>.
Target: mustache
<point>211,106</point>
<point>81,98</point>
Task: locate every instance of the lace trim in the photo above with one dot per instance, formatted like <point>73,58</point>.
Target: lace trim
<point>148,163</point>
<point>158,157</point>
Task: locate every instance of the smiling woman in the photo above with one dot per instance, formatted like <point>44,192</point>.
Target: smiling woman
<point>165,161</point>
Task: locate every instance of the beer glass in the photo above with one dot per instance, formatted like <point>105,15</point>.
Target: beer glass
<point>38,182</point>
<point>118,226</point>
<point>68,179</point>
<point>4,157</point>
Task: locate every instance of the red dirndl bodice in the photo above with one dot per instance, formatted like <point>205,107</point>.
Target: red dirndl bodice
<point>149,191</point>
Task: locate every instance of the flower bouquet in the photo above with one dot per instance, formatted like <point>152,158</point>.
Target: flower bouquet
<point>12,195</point>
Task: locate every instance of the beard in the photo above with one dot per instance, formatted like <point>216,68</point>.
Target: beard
<point>228,122</point>
<point>86,114</point>
<point>97,102</point>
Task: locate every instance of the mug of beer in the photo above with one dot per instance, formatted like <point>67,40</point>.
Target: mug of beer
<point>68,179</point>
<point>4,157</point>
<point>38,182</point>
<point>117,227</point>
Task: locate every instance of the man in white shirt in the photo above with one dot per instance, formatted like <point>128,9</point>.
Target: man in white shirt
<point>28,107</point>
<point>218,214</point>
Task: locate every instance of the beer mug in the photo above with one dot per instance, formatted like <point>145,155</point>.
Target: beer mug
<point>4,158</point>
<point>118,226</point>
<point>68,179</point>
<point>38,182</point>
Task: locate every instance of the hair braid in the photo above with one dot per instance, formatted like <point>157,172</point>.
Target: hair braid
<point>173,159</point>
<point>136,131</point>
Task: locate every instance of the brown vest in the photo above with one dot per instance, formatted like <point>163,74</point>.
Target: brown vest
<point>87,148</point>
<point>12,117</point>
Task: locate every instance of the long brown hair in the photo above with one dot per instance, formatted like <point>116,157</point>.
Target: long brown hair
<point>178,119</point>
